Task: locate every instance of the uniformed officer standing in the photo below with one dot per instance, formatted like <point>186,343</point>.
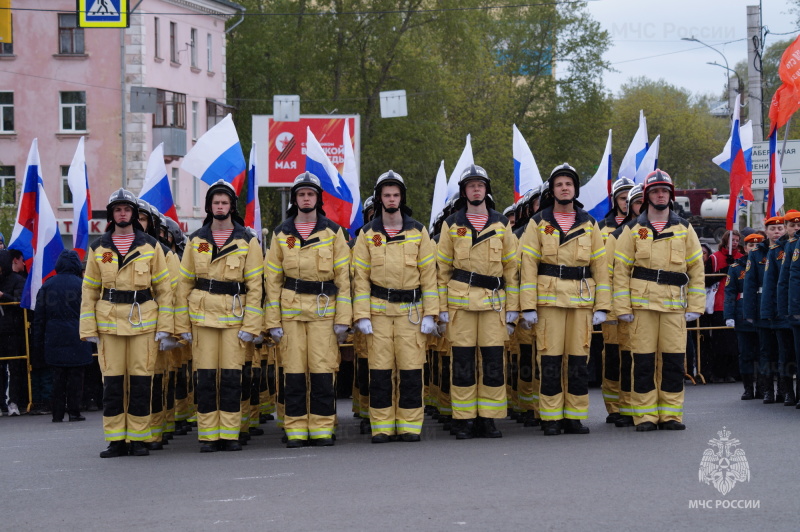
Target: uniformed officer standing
<point>219,311</point>
<point>120,312</point>
<point>394,305</point>
<point>309,307</point>
<point>658,287</point>
<point>564,290</point>
<point>478,296</point>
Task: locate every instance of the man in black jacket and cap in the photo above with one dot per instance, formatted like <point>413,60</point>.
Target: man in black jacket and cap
<point>12,372</point>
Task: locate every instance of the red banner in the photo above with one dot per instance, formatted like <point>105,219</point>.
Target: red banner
<point>287,145</point>
<point>789,67</point>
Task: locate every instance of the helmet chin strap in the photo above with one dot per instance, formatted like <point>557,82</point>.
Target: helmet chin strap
<point>391,210</point>
<point>660,207</point>
<point>221,216</point>
<point>475,203</point>
<point>564,202</point>
<point>306,210</point>
<point>123,224</point>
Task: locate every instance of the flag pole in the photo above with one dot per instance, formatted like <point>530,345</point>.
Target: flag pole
<point>783,146</point>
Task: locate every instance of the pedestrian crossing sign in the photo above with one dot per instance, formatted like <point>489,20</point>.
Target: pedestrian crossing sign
<point>103,13</point>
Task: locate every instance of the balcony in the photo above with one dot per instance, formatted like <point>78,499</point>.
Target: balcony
<point>174,139</point>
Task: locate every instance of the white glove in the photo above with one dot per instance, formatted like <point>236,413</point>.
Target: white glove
<point>364,325</point>
<point>797,317</point>
<point>750,320</point>
<point>529,318</point>
<point>427,326</point>
<point>441,328</point>
<point>436,332</point>
<point>160,335</point>
<point>93,339</point>
<point>444,317</point>
<point>341,332</point>
<point>276,333</point>
<point>510,328</point>
<point>258,340</point>
<point>245,336</point>
<point>691,316</point>
<point>512,316</point>
<point>167,344</point>
<point>627,318</point>
<point>187,337</point>
<point>730,323</point>
<point>598,317</point>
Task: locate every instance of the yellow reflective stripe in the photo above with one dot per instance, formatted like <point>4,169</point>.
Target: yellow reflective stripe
<point>255,271</point>
<point>444,258</point>
<point>186,273</point>
<point>599,253</point>
<point>341,262</point>
<point>361,264</point>
<point>271,266</point>
<point>532,252</point>
<point>624,258</point>
<point>254,310</point>
<point>693,258</point>
<point>510,256</point>
<point>91,282</point>
<point>156,279</point>
<point>425,260</point>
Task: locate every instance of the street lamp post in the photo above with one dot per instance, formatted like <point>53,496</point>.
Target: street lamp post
<point>731,98</point>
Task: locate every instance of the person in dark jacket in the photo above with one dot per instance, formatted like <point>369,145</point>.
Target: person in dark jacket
<point>55,334</point>
<point>12,372</point>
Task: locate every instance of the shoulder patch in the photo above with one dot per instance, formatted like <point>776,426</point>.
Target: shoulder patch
<point>795,254</point>
<point>747,268</point>
<point>727,280</point>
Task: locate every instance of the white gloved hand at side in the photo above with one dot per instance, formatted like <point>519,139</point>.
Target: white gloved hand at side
<point>160,335</point>
<point>276,333</point>
<point>691,316</point>
<point>512,316</point>
<point>627,318</point>
<point>187,337</point>
<point>364,325</point>
<point>598,317</point>
<point>246,337</point>
<point>529,319</point>
<point>427,326</point>
<point>168,344</point>
<point>93,339</point>
<point>510,328</point>
<point>341,332</point>
<point>730,323</point>
<point>444,317</point>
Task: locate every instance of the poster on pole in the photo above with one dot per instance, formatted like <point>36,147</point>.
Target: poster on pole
<point>283,145</point>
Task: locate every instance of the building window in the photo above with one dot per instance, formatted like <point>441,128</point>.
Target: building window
<point>157,34</point>
<point>198,200</point>
<point>215,112</point>
<point>193,45</point>
<point>175,173</point>
<point>8,186</point>
<point>66,193</point>
<point>73,111</point>
<point>70,36</point>
<point>194,120</point>
<point>6,112</point>
<point>173,42</point>
<point>170,109</point>
<point>209,53</point>
<point>7,48</point>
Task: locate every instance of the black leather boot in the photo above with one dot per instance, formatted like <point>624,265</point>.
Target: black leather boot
<point>231,445</point>
<point>780,393</point>
<point>647,426</point>
<point>747,380</point>
<point>466,429</point>
<point>365,427</point>
<point>613,417</point>
<point>574,426</point>
<point>115,449</point>
<point>769,389</point>
<point>551,428</point>
<point>624,421</point>
<point>154,445</point>
<point>789,399</point>
<point>138,448</point>
<point>209,446</point>
<point>487,429</point>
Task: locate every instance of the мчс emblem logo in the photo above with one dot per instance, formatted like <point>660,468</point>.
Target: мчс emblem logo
<point>726,465</point>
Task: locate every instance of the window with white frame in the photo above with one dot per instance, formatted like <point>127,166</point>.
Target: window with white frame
<point>175,174</point>
<point>8,186</point>
<point>194,120</point>
<point>173,42</point>
<point>70,35</point>
<point>73,111</point>
<point>157,36</point>
<point>6,112</point>
<point>193,46</point>
<point>66,193</point>
<point>209,53</point>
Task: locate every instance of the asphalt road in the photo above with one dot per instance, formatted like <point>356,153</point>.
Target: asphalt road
<point>51,478</point>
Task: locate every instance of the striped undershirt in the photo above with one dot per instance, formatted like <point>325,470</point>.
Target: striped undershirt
<point>565,220</point>
<point>392,232</point>
<point>123,242</point>
<point>619,219</point>
<point>478,221</point>
<point>304,228</point>
<point>658,226</point>
<point>221,236</point>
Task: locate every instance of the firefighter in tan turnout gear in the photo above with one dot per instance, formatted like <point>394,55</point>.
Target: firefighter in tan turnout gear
<point>564,291</point>
<point>394,305</point>
<point>126,300</point>
<point>658,287</point>
<point>478,296</point>
<point>308,310</point>
<point>219,311</point>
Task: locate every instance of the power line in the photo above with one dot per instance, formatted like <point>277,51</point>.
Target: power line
<point>672,53</point>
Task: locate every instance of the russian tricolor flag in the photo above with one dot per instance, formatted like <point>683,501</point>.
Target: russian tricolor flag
<point>252,213</point>
<point>775,197</point>
<point>636,151</point>
<point>351,180</point>
<point>526,173</point>
<point>218,155</point>
<point>649,163</point>
<point>737,158</point>
<point>594,194</point>
<point>336,197</point>
<point>155,189</point>
<point>36,230</point>
<point>78,181</point>
<point>463,163</point>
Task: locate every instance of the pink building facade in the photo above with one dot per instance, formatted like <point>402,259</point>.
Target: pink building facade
<point>59,82</point>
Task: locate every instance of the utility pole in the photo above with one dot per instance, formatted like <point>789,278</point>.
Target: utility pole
<point>754,50</point>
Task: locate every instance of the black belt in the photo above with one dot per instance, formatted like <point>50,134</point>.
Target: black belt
<point>395,296</point>
<point>476,279</point>
<point>575,273</point>
<point>212,286</point>
<point>660,276</point>
<point>126,296</point>
<point>310,287</point>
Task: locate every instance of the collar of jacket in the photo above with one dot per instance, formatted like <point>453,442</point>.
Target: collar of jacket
<point>205,233</point>
<point>673,219</point>
<point>409,223</point>
<point>139,239</point>
<point>460,218</point>
<point>581,217</point>
<point>288,227</point>
<point>610,220</point>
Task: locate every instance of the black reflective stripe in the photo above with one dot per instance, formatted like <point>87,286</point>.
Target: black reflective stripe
<point>323,396</point>
<point>139,387</point>
<point>113,395</point>
<point>551,374</point>
<point>300,286</point>
<point>380,388</point>
<point>492,366</point>
<point>577,375</point>
<point>206,391</point>
<point>644,372</point>
<point>463,366</point>
<point>479,280</point>
<point>410,388</point>
<point>230,390</point>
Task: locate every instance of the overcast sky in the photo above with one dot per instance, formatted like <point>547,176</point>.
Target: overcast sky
<point>641,29</point>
